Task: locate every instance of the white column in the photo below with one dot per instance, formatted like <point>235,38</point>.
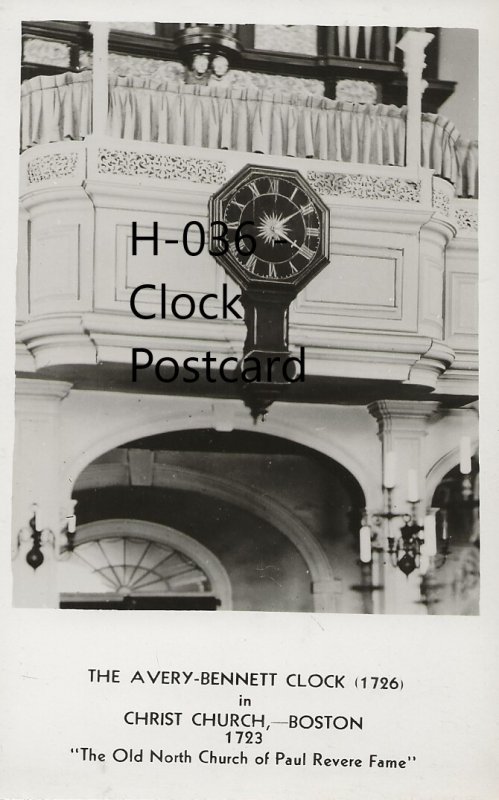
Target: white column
<point>36,480</point>
<point>413,45</point>
<point>402,429</point>
<point>100,94</point>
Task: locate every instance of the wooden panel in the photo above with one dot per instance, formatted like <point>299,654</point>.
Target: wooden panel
<point>463,310</point>
<point>54,268</point>
<point>364,286</point>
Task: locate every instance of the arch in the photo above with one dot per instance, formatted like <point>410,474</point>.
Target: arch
<point>440,468</point>
<point>267,508</point>
<point>206,418</point>
<point>164,535</point>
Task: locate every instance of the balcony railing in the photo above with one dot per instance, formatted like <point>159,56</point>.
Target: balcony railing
<point>59,107</point>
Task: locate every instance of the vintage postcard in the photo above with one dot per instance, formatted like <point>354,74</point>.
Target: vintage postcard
<point>244,270</point>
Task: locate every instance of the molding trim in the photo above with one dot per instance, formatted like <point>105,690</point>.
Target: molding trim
<point>402,415</point>
<point>431,364</point>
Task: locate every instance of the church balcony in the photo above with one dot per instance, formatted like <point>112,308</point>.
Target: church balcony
<point>397,303</point>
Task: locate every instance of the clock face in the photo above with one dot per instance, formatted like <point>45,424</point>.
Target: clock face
<point>283,222</point>
<point>277,227</point>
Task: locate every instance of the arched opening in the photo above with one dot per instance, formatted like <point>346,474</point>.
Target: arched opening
<point>453,586</point>
<point>279,517</point>
<point>131,564</point>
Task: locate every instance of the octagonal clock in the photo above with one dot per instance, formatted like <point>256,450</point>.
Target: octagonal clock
<point>269,229</point>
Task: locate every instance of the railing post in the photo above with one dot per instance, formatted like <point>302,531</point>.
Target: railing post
<point>413,44</point>
<point>100,93</point>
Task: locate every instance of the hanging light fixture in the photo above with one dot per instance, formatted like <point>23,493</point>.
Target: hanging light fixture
<point>411,545</point>
<point>34,532</point>
<point>40,535</point>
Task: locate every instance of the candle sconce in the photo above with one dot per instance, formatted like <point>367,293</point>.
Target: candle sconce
<point>35,557</point>
<point>413,545</point>
<point>40,535</point>
<point>70,531</point>
<point>409,546</point>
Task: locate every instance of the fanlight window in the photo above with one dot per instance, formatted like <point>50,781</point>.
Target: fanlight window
<point>132,565</point>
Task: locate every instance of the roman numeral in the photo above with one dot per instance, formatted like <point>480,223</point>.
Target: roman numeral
<point>293,269</point>
<point>253,189</point>
<point>251,263</point>
<point>273,186</point>
<point>233,225</point>
<point>239,205</point>
<point>306,252</point>
<point>294,192</point>
<point>312,232</point>
<point>308,209</point>
<point>271,271</point>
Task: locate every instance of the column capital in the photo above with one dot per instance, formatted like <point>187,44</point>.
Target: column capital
<point>38,396</point>
<point>413,45</point>
<point>36,387</point>
<point>402,414</point>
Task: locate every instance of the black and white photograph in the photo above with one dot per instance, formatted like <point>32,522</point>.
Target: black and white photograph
<point>199,204</point>
<point>249,366</point>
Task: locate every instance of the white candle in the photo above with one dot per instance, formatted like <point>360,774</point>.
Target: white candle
<point>445,526</point>
<point>365,544</point>
<point>71,523</point>
<point>465,455</point>
<point>412,486</point>
<point>430,535</point>
<point>390,469</point>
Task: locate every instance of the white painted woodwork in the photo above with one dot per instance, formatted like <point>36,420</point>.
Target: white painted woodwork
<point>377,310</point>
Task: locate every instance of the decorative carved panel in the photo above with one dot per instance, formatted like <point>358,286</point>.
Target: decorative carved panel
<point>466,219</point>
<point>54,165</point>
<point>366,187</point>
<point>155,165</point>
<point>441,202</point>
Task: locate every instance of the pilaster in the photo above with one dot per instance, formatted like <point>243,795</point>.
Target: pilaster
<point>36,482</point>
<point>402,429</point>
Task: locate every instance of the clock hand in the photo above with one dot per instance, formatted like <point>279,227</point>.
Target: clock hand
<point>282,221</point>
<point>287,239</point>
